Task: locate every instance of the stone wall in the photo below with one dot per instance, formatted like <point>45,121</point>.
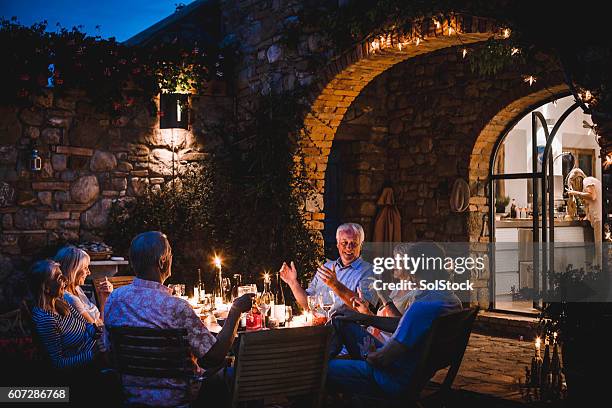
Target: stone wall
<point>88,160</point>
<point>416,127</point>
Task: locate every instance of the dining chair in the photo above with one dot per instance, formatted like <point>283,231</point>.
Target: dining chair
<point>286,362</point>
<point>442,347</point>
<point>155,354</point>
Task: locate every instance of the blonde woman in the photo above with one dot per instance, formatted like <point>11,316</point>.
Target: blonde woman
<point>74,263</point>
<point>68,338</point>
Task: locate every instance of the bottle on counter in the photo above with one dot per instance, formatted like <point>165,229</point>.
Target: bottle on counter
<point>513,208</point>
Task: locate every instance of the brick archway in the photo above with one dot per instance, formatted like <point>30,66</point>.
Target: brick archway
<point>344,78</point>
<point>483,149</point>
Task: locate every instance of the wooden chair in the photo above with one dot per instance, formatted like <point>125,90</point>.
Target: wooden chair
<point>154,353</point>
<point>283,362</point>
<point>443,346</point>
<point>117,282</point>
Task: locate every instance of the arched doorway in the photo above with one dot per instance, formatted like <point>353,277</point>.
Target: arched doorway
<point>531,164</point>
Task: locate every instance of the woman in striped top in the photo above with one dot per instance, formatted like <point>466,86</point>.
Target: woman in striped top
<point>67,337</point>
<point>74,263</point>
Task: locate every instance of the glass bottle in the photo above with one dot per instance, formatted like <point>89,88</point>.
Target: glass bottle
<point>198,290</point>
<point>279,301</point>
<point>254,318</point>
<point>237,283</point>
<point>266,300</point>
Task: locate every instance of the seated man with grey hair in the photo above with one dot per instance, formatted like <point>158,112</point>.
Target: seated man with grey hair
<point>148,303</point>
<point>346,279</point>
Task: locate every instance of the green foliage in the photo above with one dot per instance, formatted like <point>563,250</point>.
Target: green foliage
<point>183,211</point>
<point>268,189</point>
<point>104,69</point>
<point>493,57</point>
<point>246,204</point>
<point>576,302</point>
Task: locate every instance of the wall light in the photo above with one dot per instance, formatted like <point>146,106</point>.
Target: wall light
<point>174,111</point>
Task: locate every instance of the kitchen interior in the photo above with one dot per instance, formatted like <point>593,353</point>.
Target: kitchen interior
<point>574,146</point>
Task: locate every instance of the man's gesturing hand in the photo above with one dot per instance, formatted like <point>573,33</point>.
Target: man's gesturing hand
<point>328,276</point>
<point>288,274</point>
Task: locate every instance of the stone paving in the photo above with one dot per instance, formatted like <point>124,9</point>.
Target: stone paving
<point>493,365</point>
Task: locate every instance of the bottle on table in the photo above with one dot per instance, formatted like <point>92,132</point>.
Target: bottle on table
<point>237,283</point>
<point>266,300</point>
<point>198,290</point>
<point>254,318</point>
<point>279,310</point>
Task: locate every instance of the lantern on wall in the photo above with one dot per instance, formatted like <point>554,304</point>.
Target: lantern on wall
<point>35,160</point>
<point>174,111</point>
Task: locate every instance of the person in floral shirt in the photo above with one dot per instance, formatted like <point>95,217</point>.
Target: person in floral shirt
<point>148,303</point>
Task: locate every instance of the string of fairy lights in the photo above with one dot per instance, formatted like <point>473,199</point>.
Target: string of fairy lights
<point>386,41</point>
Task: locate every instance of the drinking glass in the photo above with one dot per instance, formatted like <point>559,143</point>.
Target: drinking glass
<point>264,306</point>
<point>227,289</point>
<point>288,314</point>
<point>313,302</point>
<point>208,303</point>
<point>328,302</point>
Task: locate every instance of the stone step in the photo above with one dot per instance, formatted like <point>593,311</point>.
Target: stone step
<point>506,325</point>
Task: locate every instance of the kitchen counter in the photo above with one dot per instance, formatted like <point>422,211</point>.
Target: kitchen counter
<point>528,223</point>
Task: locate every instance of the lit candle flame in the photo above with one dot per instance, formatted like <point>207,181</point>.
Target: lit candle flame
<point>266,277</point>
<point>217,261</point>
<point>538,342</point>
<point>506,32</point>
<point>464,52</point>
<point>418,41</point>
<point>437,23</point>
<point>514,51</point>
<point>531,79</point>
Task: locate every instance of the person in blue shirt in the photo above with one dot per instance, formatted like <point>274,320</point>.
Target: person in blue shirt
<point>377,368</point>
<point>347,278</point>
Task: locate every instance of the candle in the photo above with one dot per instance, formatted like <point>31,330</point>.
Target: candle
<point>538,343</point>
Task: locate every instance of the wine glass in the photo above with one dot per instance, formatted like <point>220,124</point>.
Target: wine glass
<point>328,302</point>
<point>313,302</point>
<point>208,303</point>
<point>264,306</point>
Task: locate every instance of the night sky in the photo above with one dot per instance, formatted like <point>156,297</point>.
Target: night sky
<point>117,18</point>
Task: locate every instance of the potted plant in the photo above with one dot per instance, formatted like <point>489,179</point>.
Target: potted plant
<point>577,309</point>
<point>501,203</point>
